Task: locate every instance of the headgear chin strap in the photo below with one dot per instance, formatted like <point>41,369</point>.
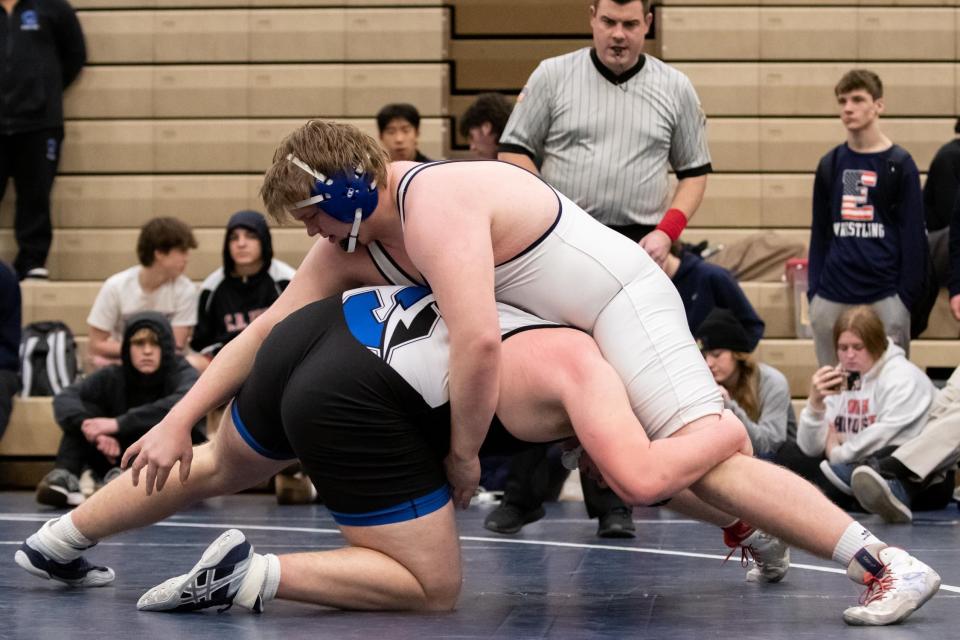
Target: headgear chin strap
<point>347,196</point>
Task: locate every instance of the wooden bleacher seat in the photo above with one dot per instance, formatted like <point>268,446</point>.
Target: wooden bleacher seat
<point>707,33</point>
<point>82,254</point>
<point>768,200</point>
<point>796,144</point>
<point>266,35</point>
<point>520,17</point>
<point>806,33</point>
<point>32,430</point>
<point>806,89</point>
<point>501,65</point>
<point>202,146</point>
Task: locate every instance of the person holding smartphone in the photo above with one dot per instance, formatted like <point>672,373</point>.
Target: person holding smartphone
<point>872,401</point>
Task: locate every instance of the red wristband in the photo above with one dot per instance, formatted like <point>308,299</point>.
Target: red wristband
<point>673,223</point>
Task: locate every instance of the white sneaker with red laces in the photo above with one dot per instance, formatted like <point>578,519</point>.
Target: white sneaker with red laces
<point>770,555</point>
<point>897,585</point>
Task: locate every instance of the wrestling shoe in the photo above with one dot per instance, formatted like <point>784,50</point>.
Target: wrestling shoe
<point>35,557</point>
<point>838,475</point>
<point>770,555</point>
<point>886,497</point>
<point>59,488</point>
<point>897,585</point>
<point>217,580</point>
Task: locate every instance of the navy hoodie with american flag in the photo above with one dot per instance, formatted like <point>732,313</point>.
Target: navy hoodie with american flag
<point>868,238</point>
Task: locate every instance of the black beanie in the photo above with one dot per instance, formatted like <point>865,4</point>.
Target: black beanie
<point>721,330</point>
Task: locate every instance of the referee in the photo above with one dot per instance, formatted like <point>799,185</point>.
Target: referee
<point>603,125</point>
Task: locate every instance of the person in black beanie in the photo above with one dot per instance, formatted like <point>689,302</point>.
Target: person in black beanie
<point>249,281</point>
<point>102,414</point>
<point>755,392</point>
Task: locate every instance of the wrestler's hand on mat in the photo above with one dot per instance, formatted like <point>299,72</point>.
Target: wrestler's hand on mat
<point>157,451</point>
<point>464,478</point>
<point>657,245</point>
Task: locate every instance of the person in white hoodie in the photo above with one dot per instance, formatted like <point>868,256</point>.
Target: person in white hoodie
<point>874,400</point>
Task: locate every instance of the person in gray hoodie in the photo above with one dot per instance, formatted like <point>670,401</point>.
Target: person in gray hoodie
<point>873,401</point>
<point>102,414</point>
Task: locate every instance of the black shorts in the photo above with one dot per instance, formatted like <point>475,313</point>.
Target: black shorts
<point>371,445</point>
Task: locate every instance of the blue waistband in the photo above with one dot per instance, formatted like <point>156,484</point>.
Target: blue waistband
<point>250,440</point>
<point>406,510</point>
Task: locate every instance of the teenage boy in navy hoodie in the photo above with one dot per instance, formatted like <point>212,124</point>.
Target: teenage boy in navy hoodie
<point>868,241</point>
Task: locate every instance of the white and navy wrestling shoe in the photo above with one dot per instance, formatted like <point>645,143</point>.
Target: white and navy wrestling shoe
<point>76,573</point>
<point>215,581</point>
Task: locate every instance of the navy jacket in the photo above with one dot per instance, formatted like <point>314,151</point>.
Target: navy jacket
<point>704,286</point>
<point>868,238</point>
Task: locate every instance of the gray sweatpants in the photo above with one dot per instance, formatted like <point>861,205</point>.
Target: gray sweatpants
<point>824,313</point>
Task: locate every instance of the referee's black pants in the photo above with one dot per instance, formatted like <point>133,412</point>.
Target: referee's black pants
<point>530,483</point>
<point>31,159</point>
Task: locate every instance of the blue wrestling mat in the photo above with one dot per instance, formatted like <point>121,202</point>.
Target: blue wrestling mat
<point>556,579</point>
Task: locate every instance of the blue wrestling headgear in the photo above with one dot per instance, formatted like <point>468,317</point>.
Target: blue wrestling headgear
<point>347,196</point>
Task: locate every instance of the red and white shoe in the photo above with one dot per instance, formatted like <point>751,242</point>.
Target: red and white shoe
<point>897,585</point>
<point>770,555</point>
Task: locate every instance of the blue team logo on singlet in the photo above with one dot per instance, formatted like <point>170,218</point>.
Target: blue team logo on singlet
<point>29,21</point>
<point>384,324</point>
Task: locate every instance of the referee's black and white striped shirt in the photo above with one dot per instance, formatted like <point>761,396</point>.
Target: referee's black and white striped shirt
<point>606,141</point>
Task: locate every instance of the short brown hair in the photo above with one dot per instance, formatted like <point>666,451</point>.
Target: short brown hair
<point>860,79</point>
<point>163,235</point>
<point>327,147</point>
<point>645,3</point>
<point>863,321</point>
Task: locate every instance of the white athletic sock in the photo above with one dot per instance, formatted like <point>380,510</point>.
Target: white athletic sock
<point>60,540</point>
<point>262,580</point>
<point>854,538</point>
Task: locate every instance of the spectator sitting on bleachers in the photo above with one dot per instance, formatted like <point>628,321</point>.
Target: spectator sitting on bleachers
<point>399,127</point>
<point>249,281</point>
<point>868,241</point>
<point>10,318</point>
<point>918,474</point>
<point>755,392</point>
<point>875,400</point>
<point>104,413</point>
<point>156,284</point>
<point>483,122</point>
<point>939,193</point>
<point>704,287</point>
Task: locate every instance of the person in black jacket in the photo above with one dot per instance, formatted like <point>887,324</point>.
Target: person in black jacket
<point>41,53</point>
<point>10,310</point>
<point>249,281</point>
<point>107,411</point>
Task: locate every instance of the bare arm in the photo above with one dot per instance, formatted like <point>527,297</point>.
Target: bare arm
<point>450,243</point>
<point>181,335</point>
<point>101,344</point>
<point>520,159</point>
<point>325,271</point>
<point>552,375</point>
<point>686,198</point>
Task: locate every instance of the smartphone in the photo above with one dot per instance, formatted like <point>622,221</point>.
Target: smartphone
<point>852,383</point>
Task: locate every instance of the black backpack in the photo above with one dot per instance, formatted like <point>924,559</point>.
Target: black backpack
<point>927,298</point>
<point>48,358</point>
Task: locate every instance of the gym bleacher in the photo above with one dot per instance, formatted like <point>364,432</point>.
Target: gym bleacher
<point>183,102</point>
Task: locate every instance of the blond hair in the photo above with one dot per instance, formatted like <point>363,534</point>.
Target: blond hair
<point>746,390</point>
<point>863,322</point>
<point>326,147</point>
